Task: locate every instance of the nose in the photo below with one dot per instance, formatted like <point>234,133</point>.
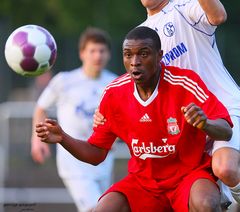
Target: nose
<point>135,61</point>
<point>98,54</point>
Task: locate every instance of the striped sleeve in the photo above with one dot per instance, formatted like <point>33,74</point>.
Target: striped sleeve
<point>192,83</point>
<point>187,83</point>
<point>103,136</point>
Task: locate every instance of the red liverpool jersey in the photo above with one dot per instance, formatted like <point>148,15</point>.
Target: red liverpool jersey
<point>163,146</point>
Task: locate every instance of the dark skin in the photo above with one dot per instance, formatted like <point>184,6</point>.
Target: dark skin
<point>141,60</point>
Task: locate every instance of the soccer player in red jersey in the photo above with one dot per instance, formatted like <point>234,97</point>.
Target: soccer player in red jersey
<point>163,114</point>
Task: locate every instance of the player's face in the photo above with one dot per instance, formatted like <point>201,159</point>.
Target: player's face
<point>95,56</point>
<point>141,61</point>
<point>153,6</point>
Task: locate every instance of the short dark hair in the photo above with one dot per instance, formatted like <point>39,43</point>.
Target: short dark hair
<point>95,35</point>
<point>143,32</point>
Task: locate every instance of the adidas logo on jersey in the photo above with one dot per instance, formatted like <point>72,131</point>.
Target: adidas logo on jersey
<point>145,118</point>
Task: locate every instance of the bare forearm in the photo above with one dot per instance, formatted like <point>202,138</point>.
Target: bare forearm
<point>214,10</point>
<point>83,150</point>
<point>38,116</point>
<point>50,132</point>
<point>218,129</point>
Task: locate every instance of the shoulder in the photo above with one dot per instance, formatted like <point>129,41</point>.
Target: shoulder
<point>186,80</point>
<point>178,5</point>
<point>182,3</point>
<point>64,77</point>
<point>181,73</point>
<point>106,74</point>
<point>67,73</point>
<point>121,83</point>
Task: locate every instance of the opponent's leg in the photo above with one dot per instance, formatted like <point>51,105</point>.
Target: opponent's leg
<point>204,197</point>
<point>225,163</point>
<point>226,160</point>
<point>85,192</point>
<point>104,173</point>
<point>113,202</point>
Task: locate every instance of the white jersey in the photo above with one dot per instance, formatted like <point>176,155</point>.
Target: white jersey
<point>76,97</point>
<point>188,41</point>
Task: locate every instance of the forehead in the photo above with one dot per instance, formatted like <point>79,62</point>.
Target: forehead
<point>92,44</point>
<point>130,44</point>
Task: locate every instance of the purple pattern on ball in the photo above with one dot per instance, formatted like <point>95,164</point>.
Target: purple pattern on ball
<point>50,43</point>
<point>29,64</point>
<point>20,38</point>
<point>49,40</point>
<point>53,57</point>
<point>28,50</point>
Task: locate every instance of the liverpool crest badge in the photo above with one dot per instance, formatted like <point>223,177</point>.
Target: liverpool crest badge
<point>172,126</point>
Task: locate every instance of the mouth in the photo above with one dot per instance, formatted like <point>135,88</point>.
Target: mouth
<point>98,63</point>
<point>136,74</point>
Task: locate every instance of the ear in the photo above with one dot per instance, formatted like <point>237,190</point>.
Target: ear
<point>160,55</point>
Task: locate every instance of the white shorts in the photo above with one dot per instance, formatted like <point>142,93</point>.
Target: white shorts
<point>85,182</point>
<point>86,191</point>
<point>235,140</point>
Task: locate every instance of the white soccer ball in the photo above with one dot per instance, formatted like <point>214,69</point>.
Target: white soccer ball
<point>30,50</point>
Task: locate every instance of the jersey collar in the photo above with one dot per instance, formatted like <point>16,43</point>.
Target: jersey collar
<point>150,99</point>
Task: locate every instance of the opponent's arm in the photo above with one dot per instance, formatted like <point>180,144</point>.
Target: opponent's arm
<point>214,10</point>
<point>98,118</point>
<point>217,129</point>
<point>40,151</point>
<point>50,132</point>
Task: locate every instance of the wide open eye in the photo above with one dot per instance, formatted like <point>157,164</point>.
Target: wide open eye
<point>127,54</point>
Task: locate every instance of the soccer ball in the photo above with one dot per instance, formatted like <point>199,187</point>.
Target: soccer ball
<point>30,50</point>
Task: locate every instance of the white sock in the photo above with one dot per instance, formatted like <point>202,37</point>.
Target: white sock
<point>235,191</point>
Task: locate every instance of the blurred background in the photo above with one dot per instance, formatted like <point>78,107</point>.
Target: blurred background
<point>25,186</point>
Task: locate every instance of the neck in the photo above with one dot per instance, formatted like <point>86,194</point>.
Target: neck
<point>91,73</point>
<point>158,8</point>
<point>145,91</point>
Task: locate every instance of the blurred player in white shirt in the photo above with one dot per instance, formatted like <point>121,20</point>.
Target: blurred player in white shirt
<point>187,30</point>
<point>76,95</point>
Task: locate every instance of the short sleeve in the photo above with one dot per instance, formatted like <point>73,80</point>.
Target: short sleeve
<point>51,93</point>
<point>214,109</point>
<point>196,17</point>
<point>103,136</point>
<point>211,105</point>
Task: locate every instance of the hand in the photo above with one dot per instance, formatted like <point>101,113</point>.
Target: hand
<point>195,116</point>
<point>98,118</point>
<point>49,131</point>
<point>39,151</point>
